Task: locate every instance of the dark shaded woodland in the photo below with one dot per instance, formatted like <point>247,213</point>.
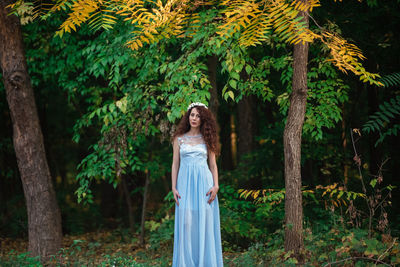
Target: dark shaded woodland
<point>86,126</point>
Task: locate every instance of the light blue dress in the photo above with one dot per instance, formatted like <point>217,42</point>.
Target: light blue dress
<point>197,236</point>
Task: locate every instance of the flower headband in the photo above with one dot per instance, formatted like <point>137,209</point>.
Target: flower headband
<point>196,104</point>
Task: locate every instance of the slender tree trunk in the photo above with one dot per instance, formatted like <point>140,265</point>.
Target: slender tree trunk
<point>245,127</point>
<point>246,122</point>
<point>226,140</point>
<point>212,62</point>
<point>145,193</point>
<point>128,200</point>
<point>344,146</point>
<point>292,149</point>
<point>374,152</point>
<point>44,218</point>
<point>108,206</point>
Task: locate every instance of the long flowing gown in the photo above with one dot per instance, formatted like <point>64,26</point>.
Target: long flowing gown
<point>197,236</point>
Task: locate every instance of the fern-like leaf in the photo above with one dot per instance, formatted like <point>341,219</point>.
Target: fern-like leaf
<point>162,21</point>
<point>347,56</point>
<point>82,10</point>
<point>28,11</point>
<point>387,111</point>
<point>391,79</point>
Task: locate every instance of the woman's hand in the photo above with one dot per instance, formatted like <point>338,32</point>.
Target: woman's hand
<point>176,195</point>
<point>213,193</point>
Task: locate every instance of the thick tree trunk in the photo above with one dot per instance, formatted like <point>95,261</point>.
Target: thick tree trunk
<point>44,218</point>
<point>292,149</point>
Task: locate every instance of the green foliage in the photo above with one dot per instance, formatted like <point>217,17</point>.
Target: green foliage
<point>334,196</point>
<point>22,259</point>
<point>335,245</point>
<point>381,119</point>
<point>161,233</point>
<point>324,248</point>
<point>340,244</point>
<point>326,93</point>
<point>246,76</point>
<point>242,223</point>
<point>384,120</point>
<point>391,79</point>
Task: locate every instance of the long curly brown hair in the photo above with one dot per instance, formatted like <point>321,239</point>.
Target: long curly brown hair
<point>208,128</point>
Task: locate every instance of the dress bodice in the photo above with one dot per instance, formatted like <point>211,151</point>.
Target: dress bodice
<point>192,149</point>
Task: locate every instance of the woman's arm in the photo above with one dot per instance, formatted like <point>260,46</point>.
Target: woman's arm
<point>174,170</point>
<point>214,170</point>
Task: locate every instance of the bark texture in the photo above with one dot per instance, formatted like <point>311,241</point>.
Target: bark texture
<point>292,149</point>
<point>44,218</point>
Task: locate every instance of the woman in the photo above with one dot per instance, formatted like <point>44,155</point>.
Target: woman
<point>197,237</point>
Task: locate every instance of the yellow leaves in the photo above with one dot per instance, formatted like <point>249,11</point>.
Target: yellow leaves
<point>346,56</point>
<point>27,11</point>
<point>332,195</point>
<point>60,5</point>
<point>357,131</point>
<point>98,14</point>
<point>240,14</point>
<point>161,21</point>
<point>254,20</point>
<point>271,196</point>
<point>81,11</point>
<point>306,6</point>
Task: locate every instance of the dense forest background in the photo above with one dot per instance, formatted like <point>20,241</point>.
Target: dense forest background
<point>107,130</point>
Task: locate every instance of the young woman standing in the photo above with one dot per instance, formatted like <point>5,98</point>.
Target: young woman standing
<point>197,236</point>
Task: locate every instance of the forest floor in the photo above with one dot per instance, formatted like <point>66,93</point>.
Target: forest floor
<point>102,248</point>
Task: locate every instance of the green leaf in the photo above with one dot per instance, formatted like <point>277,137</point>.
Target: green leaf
<point>248,69</point>
<point>231,95</point>
<point>235,75</point>
<point>233,83</point>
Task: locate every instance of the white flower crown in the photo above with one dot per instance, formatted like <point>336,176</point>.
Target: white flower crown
<point>196,104</point>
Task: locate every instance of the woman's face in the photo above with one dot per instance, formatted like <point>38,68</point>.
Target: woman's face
<point>194,118</point>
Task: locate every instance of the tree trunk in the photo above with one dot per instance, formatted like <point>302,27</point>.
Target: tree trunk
<point>212,62</point>
<point>245,127</point>
<point>375,153</point>
<point>145,193</point>
<point>44,218</point>
<point>128,200</point>
<point>346,166</point>
<point>226,138</point>
<point>292,150</point>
